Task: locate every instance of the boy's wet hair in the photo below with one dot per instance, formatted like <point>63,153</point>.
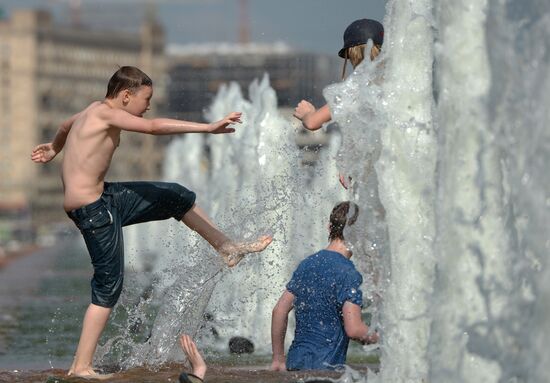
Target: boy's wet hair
<point>340,218</point>
<point>127,77</point>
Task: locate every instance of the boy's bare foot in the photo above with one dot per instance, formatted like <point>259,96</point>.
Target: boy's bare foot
<point>234,252</point>
<point>193,356</point>
<point>89,373</point>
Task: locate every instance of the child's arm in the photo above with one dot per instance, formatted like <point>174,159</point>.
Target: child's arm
<point>354,326</point>
<point>279,322</point>
<point>311,118</point>
<point>47,152</point>
<point>162,126</point>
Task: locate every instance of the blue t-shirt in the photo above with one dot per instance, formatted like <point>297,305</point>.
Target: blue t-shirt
<point>321,285</point>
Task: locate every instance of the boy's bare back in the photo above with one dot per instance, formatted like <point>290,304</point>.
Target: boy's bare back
<point>88,152</point>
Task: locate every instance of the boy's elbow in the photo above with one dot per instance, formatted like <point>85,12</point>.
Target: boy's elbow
<point>310,126</point>
<point>153,127</point>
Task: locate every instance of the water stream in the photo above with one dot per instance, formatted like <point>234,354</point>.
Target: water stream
<point>446,139</point>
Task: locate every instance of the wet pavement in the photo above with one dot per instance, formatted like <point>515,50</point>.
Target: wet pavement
<point>43,296</point>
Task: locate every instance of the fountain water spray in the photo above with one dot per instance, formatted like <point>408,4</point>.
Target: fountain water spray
<point>446,139</point>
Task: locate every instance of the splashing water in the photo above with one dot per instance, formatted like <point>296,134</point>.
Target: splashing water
<point>259,187</point>
<point>270,189</point>
<point>446,139</point>
<point>463,185</point>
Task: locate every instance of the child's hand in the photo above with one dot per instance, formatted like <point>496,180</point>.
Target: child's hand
<point>43,153</point>
<point>221,126</point>
<point>373,338</point>
<point>278,364</point>
<point>193,356</point>
<point>303,109</point>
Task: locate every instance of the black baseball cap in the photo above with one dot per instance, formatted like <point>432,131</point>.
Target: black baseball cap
<point>359,32</point>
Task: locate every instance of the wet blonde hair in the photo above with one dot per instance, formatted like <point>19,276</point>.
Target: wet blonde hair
<point>356,55</point>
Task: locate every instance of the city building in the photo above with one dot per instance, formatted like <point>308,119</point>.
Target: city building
<point>195,73</point>
<point>50,71</point>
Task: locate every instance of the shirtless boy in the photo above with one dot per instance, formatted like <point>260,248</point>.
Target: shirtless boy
<point>100,209</point>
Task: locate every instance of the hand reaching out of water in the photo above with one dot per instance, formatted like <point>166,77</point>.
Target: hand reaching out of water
<point>193,356</point>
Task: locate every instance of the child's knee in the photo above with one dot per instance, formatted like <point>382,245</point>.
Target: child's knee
<point>106,295</point>
<point>181,199</point>
<point>180,191</point>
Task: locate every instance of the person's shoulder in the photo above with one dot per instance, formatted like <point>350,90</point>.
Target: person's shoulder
<point>345,265</point>
<point>328,253</point>
<point>353,274</point>
<point>351,265</point>
<point>105,112</point>
<point>95,108</point>
<point>305,262</point>
<point>334,256</point>
<point>98,114</point>
<point>94,105</point>
<point>315,256</point>
<point>308,261</point>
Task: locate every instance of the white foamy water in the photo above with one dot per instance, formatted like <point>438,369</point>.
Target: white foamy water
<point>252,184</point>
<point>467,217</point>
<point>386,110</point>
<point>266,189</point>
<point>446,139</point>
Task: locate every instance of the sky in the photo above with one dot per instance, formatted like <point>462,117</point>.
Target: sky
<point>310,25</point>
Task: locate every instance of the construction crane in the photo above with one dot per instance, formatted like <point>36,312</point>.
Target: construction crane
<point>244,24</point>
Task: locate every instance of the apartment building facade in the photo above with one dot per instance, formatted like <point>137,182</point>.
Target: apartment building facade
<point>49,72</point>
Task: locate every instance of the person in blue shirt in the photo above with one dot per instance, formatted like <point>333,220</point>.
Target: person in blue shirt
<point>325,294</point>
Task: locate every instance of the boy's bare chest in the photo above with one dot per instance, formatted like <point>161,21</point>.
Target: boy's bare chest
<point>114,137</point>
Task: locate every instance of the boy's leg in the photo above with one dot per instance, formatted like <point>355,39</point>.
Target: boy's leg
<point>94,322</point>
<point>101,228</point>
<point>153,201</point>
<point>231,252</point>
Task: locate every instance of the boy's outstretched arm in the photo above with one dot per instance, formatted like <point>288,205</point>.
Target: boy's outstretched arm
<point>312,119</point>
<point>279,322</point>
<point>47,152</point>
<point>162,126</point>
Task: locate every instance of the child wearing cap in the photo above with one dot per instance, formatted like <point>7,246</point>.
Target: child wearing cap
<point>356,36</point>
